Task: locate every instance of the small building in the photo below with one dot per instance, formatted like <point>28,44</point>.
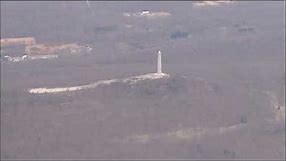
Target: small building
<point>15,47</point>
<point>18,41</point>
<point>56,49</point>
<point>145,12</point>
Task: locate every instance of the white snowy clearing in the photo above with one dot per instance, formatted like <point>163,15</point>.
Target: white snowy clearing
<point>130,80</point>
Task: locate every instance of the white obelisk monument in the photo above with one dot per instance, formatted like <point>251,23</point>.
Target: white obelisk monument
<point>159,63</point>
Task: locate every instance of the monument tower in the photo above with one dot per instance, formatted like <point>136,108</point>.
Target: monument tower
<point>159,71</point>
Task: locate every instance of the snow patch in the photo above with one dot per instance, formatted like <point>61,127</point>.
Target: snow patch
<point>184,134</point>
<point>211,3</point>
<point>148,14</point>
<point>130,80</point>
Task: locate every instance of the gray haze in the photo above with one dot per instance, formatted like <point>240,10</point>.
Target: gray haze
<point>225,98</point>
